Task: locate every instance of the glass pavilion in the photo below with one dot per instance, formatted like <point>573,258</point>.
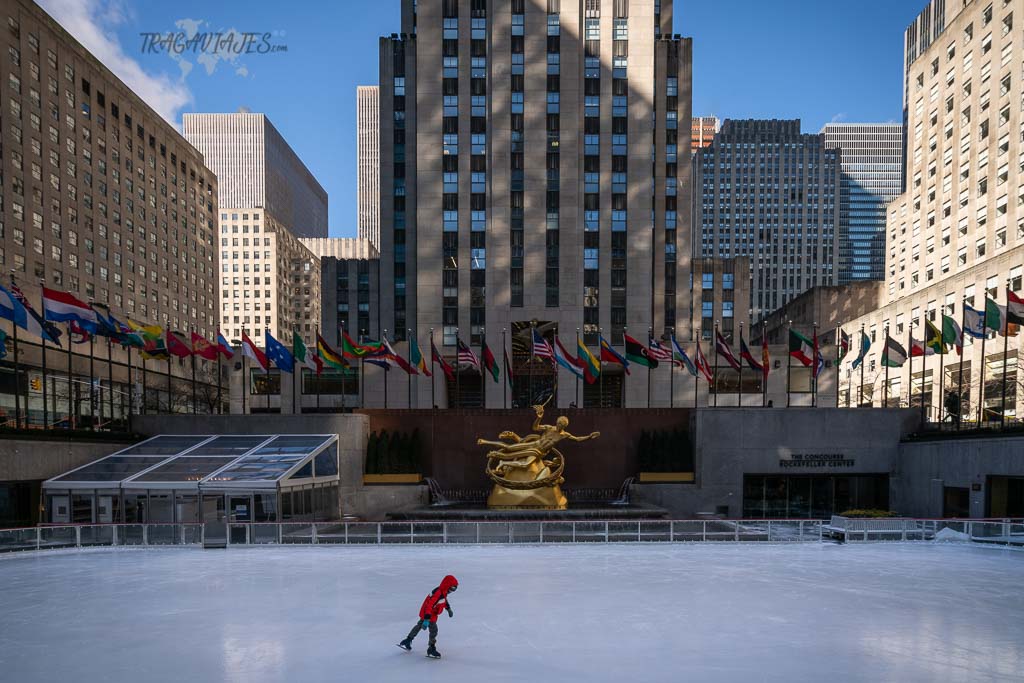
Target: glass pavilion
<point>181,479</point>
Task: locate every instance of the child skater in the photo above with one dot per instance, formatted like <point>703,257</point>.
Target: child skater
<point>429,612</point>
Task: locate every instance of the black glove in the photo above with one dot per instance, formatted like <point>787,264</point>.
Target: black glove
<point>450,613</point>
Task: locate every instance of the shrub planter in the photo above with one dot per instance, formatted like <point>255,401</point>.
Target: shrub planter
<point>666,477</point>
<point>392,479</point>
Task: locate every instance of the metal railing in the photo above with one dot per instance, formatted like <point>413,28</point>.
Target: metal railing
<point>525,532</point>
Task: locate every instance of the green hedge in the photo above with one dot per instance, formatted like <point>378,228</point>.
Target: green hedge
<point>665,451</point>
<point>393,452</point>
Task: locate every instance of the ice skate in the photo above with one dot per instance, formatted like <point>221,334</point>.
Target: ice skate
<point>405,645</point>
<point>433,653</point>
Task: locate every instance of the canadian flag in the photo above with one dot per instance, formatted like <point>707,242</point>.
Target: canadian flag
<point>250,350</point>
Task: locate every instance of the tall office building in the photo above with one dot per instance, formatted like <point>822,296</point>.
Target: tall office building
<point>368,162</point>
<point>872,176</point>
<point>956,234</point>
<point>102,198</point>
<point>702,131</point>
<point>768,192</point>
<point>268,199</point>
<point>517,183</point>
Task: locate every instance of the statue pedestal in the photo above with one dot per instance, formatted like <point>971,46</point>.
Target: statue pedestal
<point>544,498</point>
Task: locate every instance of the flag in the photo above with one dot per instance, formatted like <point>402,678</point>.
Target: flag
<point>250,350</point>
<point>865,344</point>
<point>722,346</point>
<point>466,355</point>
<point>951,334</point>
<point>749,357</point>
<point>106,325</point>
<point>130,337</point>
<point>819,361</point>
<point>155,348</point>
<point>563,358</point>
<point>12,309</point>
<point>224,347</point>
<point>702,364</point>
<point>147,331</point>
<point>658,352</point>
<point>304,355</point>
<point>416,358</point>
<point>893,355</point>
<point>177,347</point>
<point>933,337</point>
<point>202,347</point>
<point>766,357</point>
<point>591,366</point>
<point>638,353</point>
<point>278,354</point>
<point>918,349</point>
<point>62,307</point>
<point>541,348</point>
<point>508,370</point>
<point>36,325</point>
<point>844,346</point>
<point>974,322</point>
<point>329,356</point>
<point>610,355</point>
<point>1014,308</point>
<point>398,360</point>
<point>83,335</point>
<point>681,359</point>
<point>995,316</point>
<point>351,349</point>
<point>490,364</point>
<point>3,344</point>
<point>801,348</point>
<point>436,357</point>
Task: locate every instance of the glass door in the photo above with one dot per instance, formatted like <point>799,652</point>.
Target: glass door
<point>215,520</point>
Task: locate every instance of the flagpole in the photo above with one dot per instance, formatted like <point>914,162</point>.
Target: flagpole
<point>764,370</point>
<point>924,368</point>
<point>408,336</point>
<point>650,335</point>
<point>170,388</point>
<point>910,350</point>
<point>960,378</point>
<point>814,367</point>
<point>110,377</point>
<point>433,402</point>
<point>942,370</point>
<point>131,398</point>
<point>600,362</point>
<point>860,398</point>
<point>46,409</point>
<point>981,385</point>
<point>17,379</point>
<point>296,378</point>
<point>387,372</point>
<point>789,366</point>
<point>885,349</point>
<point>195,405</point>
<point>672,371</point>
<point>142,407</point>
<point>1006,341</point>
<point>739,400</point>
<point>220,374</point>
<point>696,379</point>
<point>458,371</point>
<point>318,376</point>
<point>483,384</point>
<point>715,371</point>
<point>504,355</point>
<point>532,333</point>
<point>577,377</point>
<point>838,359</point>
<point>72,417</point>
<point>245,380</point>
<point>92,376</point>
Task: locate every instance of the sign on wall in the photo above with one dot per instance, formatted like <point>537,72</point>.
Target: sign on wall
<point>816,460</point>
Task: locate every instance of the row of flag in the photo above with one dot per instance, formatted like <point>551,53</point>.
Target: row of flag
<point>1005,319</point>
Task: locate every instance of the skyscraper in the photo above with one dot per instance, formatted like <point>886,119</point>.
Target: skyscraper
<point>368,161</point>
<point>268,200</point>
<point>768,192</point>
<point>872,176</point>
<point>517,186</point>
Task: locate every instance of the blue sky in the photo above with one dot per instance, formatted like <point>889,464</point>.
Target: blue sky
<point>817,60</point>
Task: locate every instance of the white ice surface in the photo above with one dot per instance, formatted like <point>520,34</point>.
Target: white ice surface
<point>624,613</point>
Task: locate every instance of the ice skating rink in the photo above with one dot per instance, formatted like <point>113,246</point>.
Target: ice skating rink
<point>709,612</point>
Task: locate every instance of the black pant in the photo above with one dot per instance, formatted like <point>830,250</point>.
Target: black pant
<point>416,629</point>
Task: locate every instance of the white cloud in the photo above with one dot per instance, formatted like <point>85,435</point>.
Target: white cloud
<point>92,23</point>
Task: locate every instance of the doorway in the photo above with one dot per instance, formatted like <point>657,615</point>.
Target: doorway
<point>956,502</point>
<point>215,521</point>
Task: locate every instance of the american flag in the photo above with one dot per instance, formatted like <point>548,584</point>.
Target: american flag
<point>542,347</point>
<point>467,357</point>
<point>659,352</point>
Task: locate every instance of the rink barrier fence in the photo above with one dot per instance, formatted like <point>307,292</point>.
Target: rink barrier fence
<point>1005,531</point>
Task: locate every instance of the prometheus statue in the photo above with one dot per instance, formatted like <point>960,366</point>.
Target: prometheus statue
<point>527,470</point>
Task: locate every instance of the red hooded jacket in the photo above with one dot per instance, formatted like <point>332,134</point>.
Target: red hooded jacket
<point>438,599</point>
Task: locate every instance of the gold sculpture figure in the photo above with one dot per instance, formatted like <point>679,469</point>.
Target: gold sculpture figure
<point>527,470</point>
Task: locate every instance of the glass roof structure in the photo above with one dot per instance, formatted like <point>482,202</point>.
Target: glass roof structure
<point>210,462</point>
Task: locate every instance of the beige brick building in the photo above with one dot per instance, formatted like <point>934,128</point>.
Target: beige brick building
<point>368,162</point>
<point>957,232</point>
<point>103,198</point>
<point>516,176</point>
<point>269,280</point>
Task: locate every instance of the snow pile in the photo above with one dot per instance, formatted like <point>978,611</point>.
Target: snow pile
<point>950,535</point>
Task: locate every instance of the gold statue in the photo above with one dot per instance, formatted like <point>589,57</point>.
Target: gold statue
<point>527,471</point>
